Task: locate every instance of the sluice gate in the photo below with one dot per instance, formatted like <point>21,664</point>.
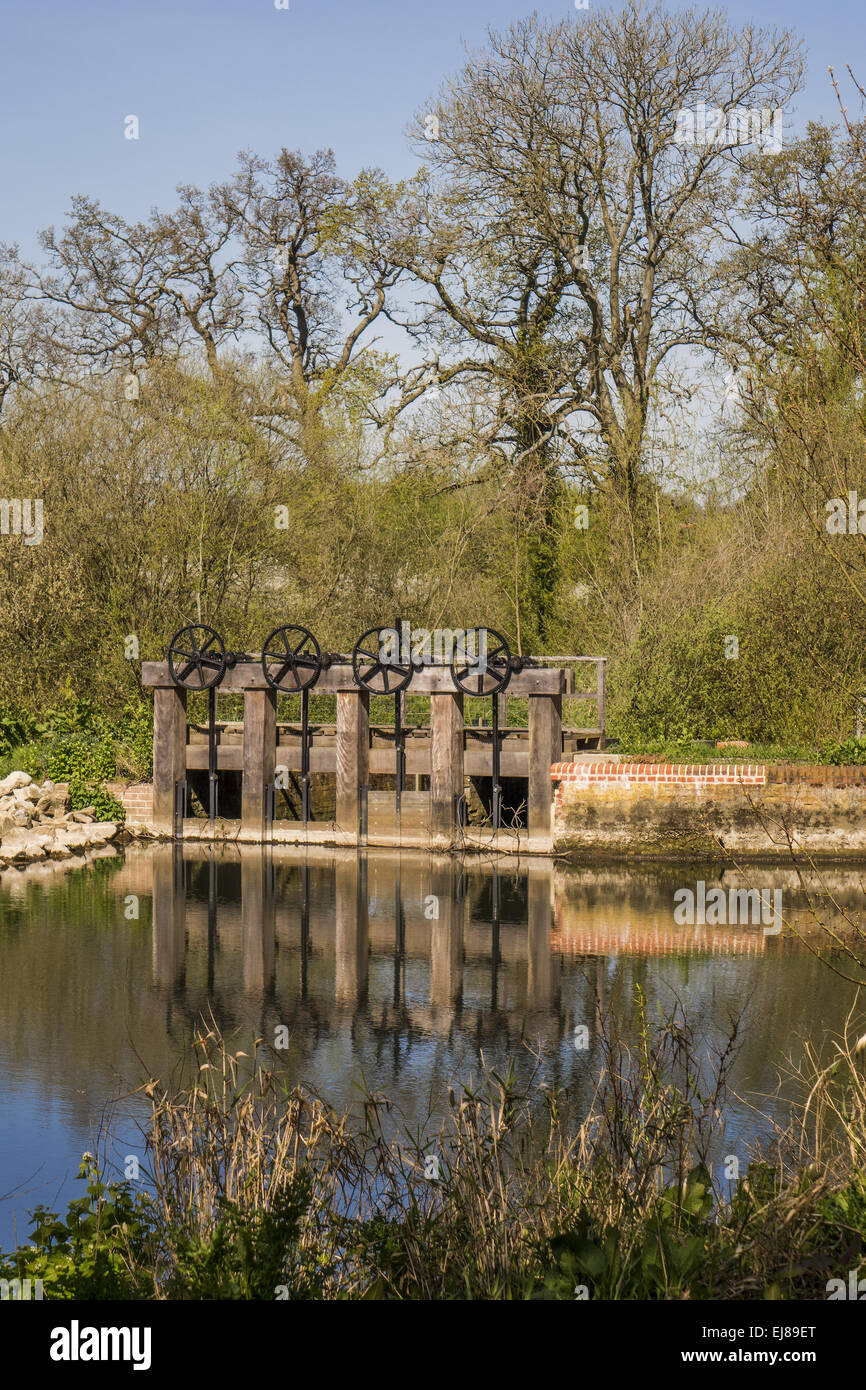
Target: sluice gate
<point>442,757</point>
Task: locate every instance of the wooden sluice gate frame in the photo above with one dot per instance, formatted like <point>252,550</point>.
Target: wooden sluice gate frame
<point>449,753</point>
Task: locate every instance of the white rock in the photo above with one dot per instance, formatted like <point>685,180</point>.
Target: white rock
<point>15,779</point>
<point>102,830</point>
<point>28,847</point>
<point>73,838</point>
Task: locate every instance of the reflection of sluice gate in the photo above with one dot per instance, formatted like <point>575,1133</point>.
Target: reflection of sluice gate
<point>445,753</point>
<point>382,917</point>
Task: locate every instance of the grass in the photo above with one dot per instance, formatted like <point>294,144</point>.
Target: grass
<point>255,1191</point>
<point>696,751</point>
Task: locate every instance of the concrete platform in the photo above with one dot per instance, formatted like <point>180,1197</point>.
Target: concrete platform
<point>463,839</point>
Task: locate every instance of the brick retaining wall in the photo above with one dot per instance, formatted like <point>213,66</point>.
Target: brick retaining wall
<point>684,774</point>
<point>709,810</point>
<point>136,798</point>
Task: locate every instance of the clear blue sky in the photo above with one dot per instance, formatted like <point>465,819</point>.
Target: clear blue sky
<point>208,77</point>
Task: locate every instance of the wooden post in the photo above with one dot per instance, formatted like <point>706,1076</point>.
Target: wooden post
<point>446,761</point>
<point>260,751</point>
<point>600,673</point>
<point>169,753</point>
<point>353,757</point>
<point>545,747</point>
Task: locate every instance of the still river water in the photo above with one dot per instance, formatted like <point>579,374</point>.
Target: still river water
<point>349,954</point>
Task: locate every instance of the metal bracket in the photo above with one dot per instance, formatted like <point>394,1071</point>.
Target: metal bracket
<point>180,806</point>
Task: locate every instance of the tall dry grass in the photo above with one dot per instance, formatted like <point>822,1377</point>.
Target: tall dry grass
<point>475,1200</point>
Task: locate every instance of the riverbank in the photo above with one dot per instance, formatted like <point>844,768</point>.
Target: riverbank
<point>38,824</point>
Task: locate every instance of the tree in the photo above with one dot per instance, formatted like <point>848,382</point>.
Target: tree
<point>25,351</point>
<point>802,319</point>
<point>136,293</point>
<point>315,249</point>
<point>567,238</point>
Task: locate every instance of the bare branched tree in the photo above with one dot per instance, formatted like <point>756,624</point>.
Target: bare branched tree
<point>566,237</point>
<point>316,269</point>
<point>25,336</point>
<point>137,292</point>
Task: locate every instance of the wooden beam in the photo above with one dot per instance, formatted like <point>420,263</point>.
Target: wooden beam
<point>477,759</point>
<point>169,753</point>
<point>432,680</point>
<point>545,747</point>
<point>446,761</point>
<point>259,756</point>
<point>352,757</point>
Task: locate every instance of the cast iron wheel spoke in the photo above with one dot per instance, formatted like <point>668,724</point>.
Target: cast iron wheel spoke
<point>295,654</point>
<point>278,677</point>
<point>192,645</point>
<point>372,673</point>
<point>489,677</point>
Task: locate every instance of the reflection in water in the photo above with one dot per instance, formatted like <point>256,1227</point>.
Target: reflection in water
<point>390,971</point>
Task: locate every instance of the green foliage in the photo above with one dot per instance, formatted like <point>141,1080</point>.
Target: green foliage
<point>85,759</point>
<point>688,750</point>
<point>18,727</point>
<point>105,806</point>
<point>774,1237</point>
<point>249,1254</point>
<point>847,753</point>
<point>82,759</point>
<point>81,746</point>
<point>97,1251</point>
<point>672,1256</point>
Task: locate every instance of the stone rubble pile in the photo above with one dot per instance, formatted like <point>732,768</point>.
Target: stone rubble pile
<point>36,823</point>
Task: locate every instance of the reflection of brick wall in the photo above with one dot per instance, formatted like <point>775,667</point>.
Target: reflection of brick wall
<point>656,941</point>
<point>136,798</point>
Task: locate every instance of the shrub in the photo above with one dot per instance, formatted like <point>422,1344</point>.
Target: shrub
<point>849,751</point>
<point>96,1250</point>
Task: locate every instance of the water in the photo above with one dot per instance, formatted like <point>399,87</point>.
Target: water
<point>388,971</point>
